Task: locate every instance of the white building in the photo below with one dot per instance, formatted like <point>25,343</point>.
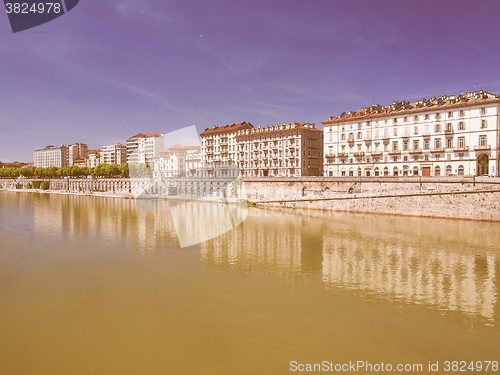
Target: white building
<point>177,161</point>
<point>114,154</point>
<point>143,148</point>
<point>92,158</point>
<point>451,135</point>
<point>51,156</point>
<point>293,149</point>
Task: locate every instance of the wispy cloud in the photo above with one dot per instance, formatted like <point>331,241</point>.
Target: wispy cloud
<point>153,97</point>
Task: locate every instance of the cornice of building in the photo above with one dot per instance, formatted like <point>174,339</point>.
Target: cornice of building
<point>444,103</point>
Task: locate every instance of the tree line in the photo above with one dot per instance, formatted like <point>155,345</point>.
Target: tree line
<point>102,170</point>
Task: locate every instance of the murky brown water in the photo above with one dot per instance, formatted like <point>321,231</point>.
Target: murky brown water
<point>94,285</point>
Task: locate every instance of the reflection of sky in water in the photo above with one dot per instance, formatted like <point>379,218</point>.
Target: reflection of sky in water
<point>441,264</point>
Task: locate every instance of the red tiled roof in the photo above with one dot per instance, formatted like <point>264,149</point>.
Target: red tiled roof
<point>177,146</point>
<point>143,135</point>
<point>227,128</point>
<point>93,151</point>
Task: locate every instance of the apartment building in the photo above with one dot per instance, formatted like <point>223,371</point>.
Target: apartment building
<point>450,135</point>
<point>292,149</point>
<point>75,152</point>
<point>219,144</point>
<point>114,154</point>
<point>92,158</point>
<point>143,148</point>
<point>51,156</point>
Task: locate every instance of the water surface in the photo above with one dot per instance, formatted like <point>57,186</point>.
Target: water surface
<point>93,285</point>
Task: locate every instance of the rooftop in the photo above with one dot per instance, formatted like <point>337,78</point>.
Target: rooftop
<point>423,105</point>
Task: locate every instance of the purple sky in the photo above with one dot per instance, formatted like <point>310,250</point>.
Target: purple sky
<point>110,69</point>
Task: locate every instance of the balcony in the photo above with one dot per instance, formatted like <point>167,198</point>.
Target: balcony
<point>350,140</point>
<point>394,152</point>
<point>368,139</point>
<point>416,151</point>
<point>376,153</point>
<point>359,154</point>
<point>449,133</point>
<point>437,149</point>
<point>482,148</point>
<point>461,149</point>
<point>329,155</point>
<point>342,155</point>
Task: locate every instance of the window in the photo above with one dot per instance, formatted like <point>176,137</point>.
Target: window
<point>405,158</point>
<point>483,111</point>
<point>462,113</point>
<point>450,114</point>
<point>415,145</point>
<point>426,157</point>
<point>482,140</point>
<point>405,119</point>
<point>449,143</point>
<point>359,135</point>
<point>449,127</point>
<point>426,144</point>
<point>460,170</point>
<point>426,116</point>
<point>448,170</point>
<point>438,116</point>
<point>395,120</point>
<point>437,128</point>
<point>395,131</point>
<point>461,125</point>
<point>415,118</point>
<point>394,146</point>
<point>405,146</point>
<point>415,129</point>
<point>461,142</point>
<point>437,143</point>
<point>359,125</point>
<point>483,124</point>
<point>342,136</point>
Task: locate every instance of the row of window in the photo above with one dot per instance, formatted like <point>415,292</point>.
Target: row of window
<point>426,116</point>
<point>415,171</point>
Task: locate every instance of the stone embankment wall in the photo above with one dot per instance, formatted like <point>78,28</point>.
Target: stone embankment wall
<point>464,198</point>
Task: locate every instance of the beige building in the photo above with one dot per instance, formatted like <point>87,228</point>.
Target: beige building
<point>219,144</point>
<point>51,156</point>
<point>450,135</point>
<point>293,149</point>
<point>114,154</point>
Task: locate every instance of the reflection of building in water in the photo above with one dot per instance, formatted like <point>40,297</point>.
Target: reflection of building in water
<point>146,224</point>
<point>448,281</point>
<point>265,243</point>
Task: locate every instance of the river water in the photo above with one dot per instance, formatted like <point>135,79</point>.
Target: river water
<point>92,285</point>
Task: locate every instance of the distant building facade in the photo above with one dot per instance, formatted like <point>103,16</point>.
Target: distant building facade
<point>51,156</point>
<point>287,150</point>
<point>75,152</point>
<point>114,154</point>
<point>143,148</point>
<point>92,158</point>
<point>219,144</point>
<point>450,135</point>
<point>177,161</point>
